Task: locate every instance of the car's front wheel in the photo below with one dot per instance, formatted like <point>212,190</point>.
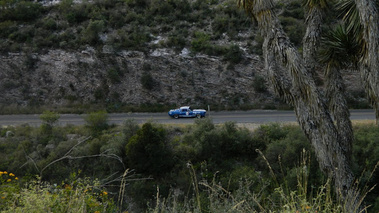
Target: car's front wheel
<point>176,116</point>
<point>198,116</point>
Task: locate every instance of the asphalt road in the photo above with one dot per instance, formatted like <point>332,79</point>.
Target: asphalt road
<point>253,116</point>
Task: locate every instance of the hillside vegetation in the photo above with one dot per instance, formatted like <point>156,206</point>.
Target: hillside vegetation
<point>137,55</point>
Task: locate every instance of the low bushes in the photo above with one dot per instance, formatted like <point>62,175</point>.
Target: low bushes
<point>96,122</point>
<point>201,166</point>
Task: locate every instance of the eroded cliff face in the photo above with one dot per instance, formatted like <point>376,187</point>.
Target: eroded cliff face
<point>62,78</point>
<point>79,55</point>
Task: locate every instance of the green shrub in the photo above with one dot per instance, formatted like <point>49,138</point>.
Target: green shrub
<point>117,19</point>
<point>49,119</point>
<point>234,54</point>
<point>220,24</point>
<point>114,75</point>
<point>76,13</point>
<point>25,34</point>
<point>219,144</point>
<point>116,145</point>
<point>50,24</point>
<point>270,132</point>
<point>147,151</point>
<point>20,11</point>
<point>259,84</point>
<point>91,33</point>
<point>136,38</point>
<point>287,142</point>
<point>161,8</point>
<point>6,28</point>
<point>137,3</point>
<point>200,42</point>
<point>129,128</point>
<point>147,81</point>
<point>365,159</point>
<point>176,40</point>
<point>97,122</point>
<point>227,142</point>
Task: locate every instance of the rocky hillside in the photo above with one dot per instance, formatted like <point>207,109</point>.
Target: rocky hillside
<point>63,78</point>
<point>135,55</point>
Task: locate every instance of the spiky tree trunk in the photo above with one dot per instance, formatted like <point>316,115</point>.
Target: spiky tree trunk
<point>336,101</point>
<point>369,66</point>
<point>335,87</point>
<point>312,37</point>
<point>293,82</point>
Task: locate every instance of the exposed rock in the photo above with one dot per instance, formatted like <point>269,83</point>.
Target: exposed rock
<point>60,77</point>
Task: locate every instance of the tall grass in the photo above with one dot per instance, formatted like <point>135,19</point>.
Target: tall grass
<point>212,197</point>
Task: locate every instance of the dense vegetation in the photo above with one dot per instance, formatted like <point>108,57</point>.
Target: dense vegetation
<point>127,24</point>
<point>136,25</point>
<point>151,167</point>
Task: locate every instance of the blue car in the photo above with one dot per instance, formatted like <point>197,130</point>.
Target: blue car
<point>187,112</point>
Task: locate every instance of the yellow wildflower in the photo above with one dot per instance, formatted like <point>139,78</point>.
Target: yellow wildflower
<point>1,173</point>
<point>2,197</point>
<point>11,174</point>
<point>16,178</point>
<point>5,172</point>
<point>105,193</point>
<point>97,211</point>
<point>9,180</point>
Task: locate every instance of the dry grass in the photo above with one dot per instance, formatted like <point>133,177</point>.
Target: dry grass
<point>254,126</point>
<point>363,122</point>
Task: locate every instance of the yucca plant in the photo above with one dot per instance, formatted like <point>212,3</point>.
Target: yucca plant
<point>362,17</point>
<point>293,82</point>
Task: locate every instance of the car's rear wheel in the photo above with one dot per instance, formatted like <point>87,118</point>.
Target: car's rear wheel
<point>176,116</point>
<point>198,116</point>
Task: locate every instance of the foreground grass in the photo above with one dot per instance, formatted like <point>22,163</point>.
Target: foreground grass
<point>215,198</point>
<point>84,195</point>
<point>81,195</point>
<point>211,168</point>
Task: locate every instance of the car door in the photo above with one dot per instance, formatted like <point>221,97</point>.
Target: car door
<point>186,113</point>
<point>190,113</point>
<point>183,113</point>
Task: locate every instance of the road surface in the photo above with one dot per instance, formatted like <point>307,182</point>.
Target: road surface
<point>253,116</point>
